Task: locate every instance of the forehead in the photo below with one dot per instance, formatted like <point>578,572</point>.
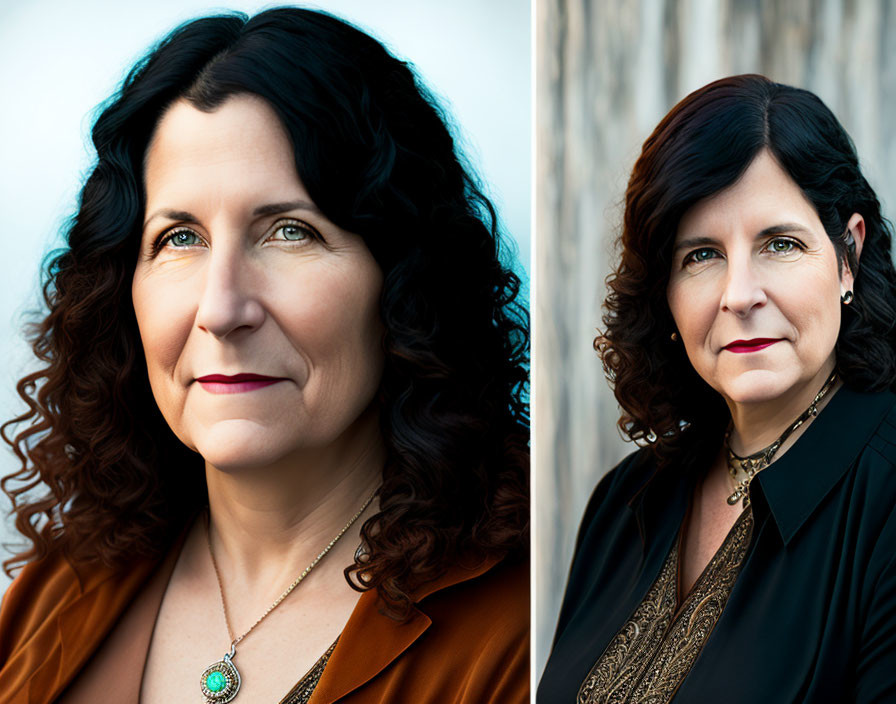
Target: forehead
<point>764,196</point>
<point>239,148</point>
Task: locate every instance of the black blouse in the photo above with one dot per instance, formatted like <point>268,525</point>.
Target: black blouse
<point>812,614</point>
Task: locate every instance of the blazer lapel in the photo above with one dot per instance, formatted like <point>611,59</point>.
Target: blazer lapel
<point>371,641</point>
<point>368,644</point>
<point>82,626</point>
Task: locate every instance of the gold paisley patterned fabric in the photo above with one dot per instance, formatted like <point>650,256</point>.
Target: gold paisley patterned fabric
<point>301,693</point>
<point>648,659</point>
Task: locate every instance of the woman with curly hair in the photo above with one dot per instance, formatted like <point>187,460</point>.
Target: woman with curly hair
<point>746,552</point>
<point>280,429</point>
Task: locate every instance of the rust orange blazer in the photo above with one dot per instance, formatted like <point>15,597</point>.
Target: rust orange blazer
<point>63,631</point>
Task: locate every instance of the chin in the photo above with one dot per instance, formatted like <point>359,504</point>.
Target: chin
<point>237,445</point>
<point>236,460</point>
<point>756,386</point>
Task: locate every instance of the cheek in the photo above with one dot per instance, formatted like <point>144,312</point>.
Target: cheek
<point>336,322</point>
<point>693,305</point>
<point>164,322</point>
<point>812,305</point>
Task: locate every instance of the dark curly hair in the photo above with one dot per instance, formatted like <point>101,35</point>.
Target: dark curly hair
<point>701,147</point>
<point>374,152</point>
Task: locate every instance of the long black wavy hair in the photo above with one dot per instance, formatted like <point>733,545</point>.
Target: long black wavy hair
<point>705,143</point>
<point>373,150</point>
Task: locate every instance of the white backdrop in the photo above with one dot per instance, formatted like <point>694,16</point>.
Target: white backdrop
<point>59,60</point>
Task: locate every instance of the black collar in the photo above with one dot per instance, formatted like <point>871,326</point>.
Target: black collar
<point>792,487</point>
<point>795,485</point>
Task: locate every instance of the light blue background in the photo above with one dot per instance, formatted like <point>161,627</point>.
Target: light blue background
<point>59,60</point>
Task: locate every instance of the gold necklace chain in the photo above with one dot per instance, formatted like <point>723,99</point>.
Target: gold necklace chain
<point>752,464</point>
<point>234,641</point>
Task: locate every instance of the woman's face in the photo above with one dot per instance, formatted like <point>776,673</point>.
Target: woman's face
<point>240,274</point>
<point>755,289</point>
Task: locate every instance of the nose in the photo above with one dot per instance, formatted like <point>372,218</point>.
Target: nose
<point>228,303</point>
<point>744,288</point>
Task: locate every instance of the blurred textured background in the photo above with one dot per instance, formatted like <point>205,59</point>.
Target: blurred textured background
<point>59,60</point>
<point>606,73</point>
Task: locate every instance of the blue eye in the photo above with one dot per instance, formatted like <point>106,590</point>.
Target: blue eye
<point>704,254</point>
<point>292,232</point>
<point>182,238</point>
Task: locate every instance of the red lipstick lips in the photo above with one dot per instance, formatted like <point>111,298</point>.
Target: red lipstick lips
<point>754,345</point>
<point>238,383</point>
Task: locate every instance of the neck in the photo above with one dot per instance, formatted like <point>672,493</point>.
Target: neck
<point>757,425</point>
<point>267,521</point>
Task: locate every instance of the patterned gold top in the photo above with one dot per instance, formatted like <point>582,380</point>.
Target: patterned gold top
<point>651,655</point>
<point>301,693</point>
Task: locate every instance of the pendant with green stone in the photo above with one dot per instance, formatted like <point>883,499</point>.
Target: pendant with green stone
<point>221,680</point>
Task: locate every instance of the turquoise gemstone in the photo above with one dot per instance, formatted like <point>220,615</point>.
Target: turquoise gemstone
<point>215,682</point>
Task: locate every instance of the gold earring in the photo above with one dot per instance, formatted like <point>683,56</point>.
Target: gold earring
<point>674,337</point>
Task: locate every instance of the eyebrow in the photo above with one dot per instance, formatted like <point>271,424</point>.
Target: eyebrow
<point>269,209</point>
<point>694,242</point>
<point>782,229</point>
<point>770,231</point>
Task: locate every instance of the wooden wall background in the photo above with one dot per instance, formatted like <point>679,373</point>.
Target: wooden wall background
<point>606,72</point>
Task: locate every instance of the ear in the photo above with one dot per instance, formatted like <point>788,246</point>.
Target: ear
<point>856,230</point>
